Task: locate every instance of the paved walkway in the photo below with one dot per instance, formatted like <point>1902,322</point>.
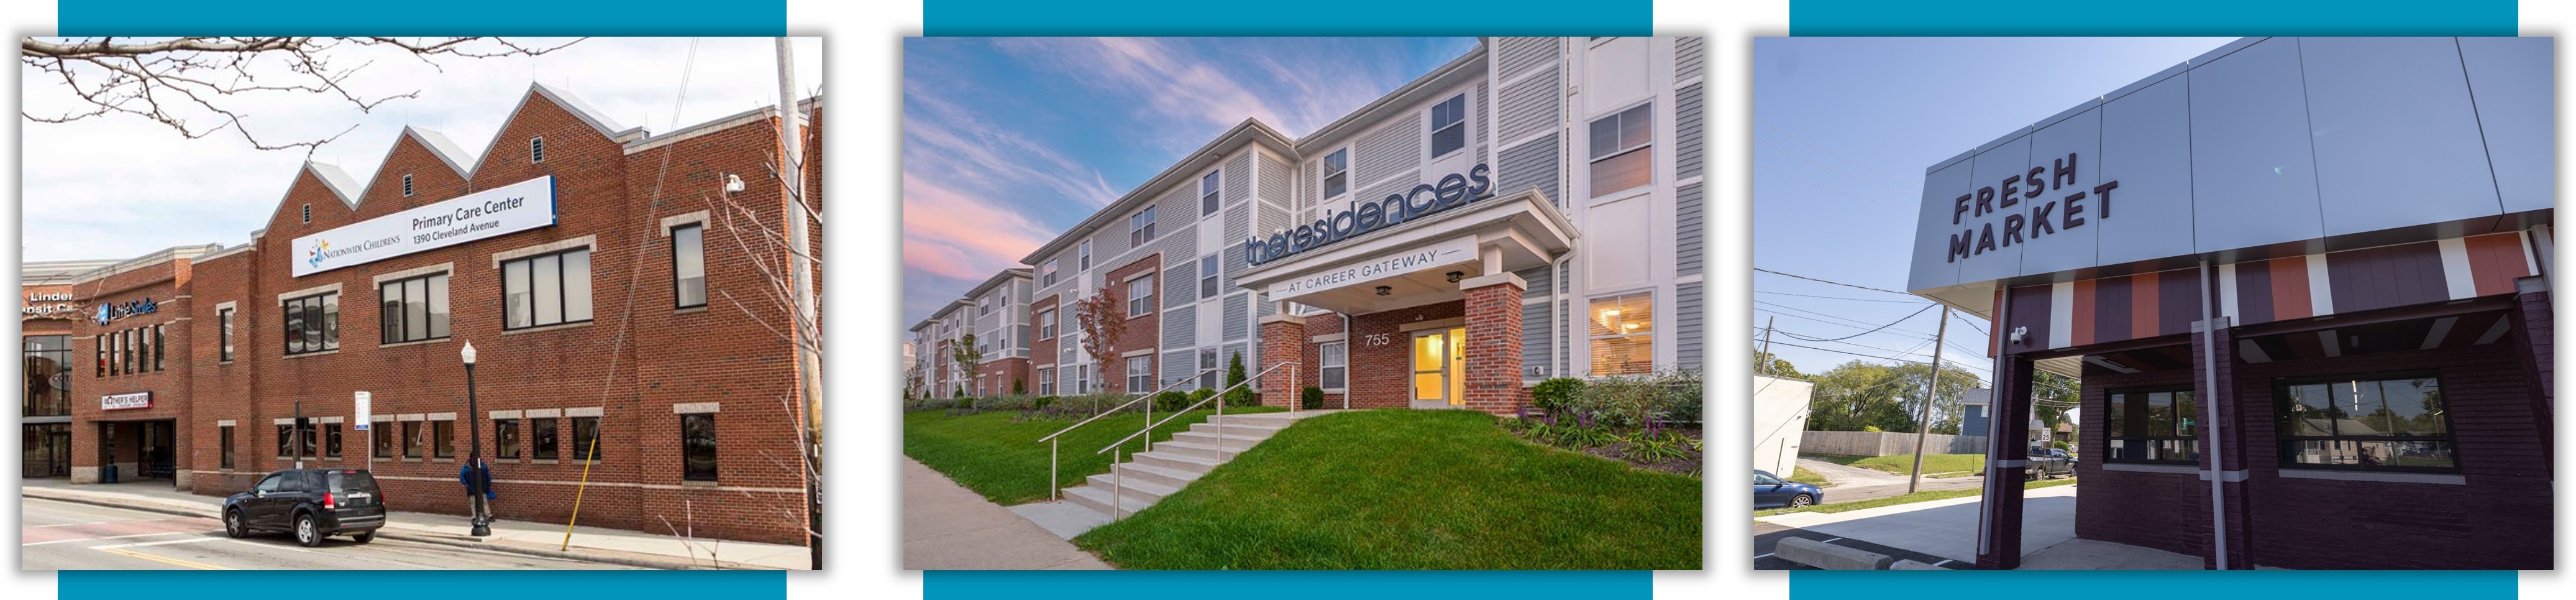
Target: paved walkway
<point>1944,528</point>
<point>948,527</point>
<point>616,546</point>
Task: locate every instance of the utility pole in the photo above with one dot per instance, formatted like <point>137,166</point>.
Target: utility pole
<point>1924,431</point>
<point>801,276</point>
<point>1764,367</point>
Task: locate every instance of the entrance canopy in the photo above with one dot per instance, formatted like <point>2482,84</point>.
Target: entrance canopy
<point>1420,261</point>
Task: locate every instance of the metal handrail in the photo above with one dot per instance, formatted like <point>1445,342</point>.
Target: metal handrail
<point>1055,482</point>
<point>1118,477</point>
<point>1220,410</point>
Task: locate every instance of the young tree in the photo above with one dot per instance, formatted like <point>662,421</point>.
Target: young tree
<point>965,356</point>
<point>1103,319</point>
<point>1237,396</point>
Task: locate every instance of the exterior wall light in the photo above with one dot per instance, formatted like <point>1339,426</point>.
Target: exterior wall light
<point>1454,276</point>
<point>1384,290</point>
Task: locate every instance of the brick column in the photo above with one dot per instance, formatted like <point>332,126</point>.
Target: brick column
<point>2214,341</point>
<point>1283,340</point>
<point>1494,343</point>
<point>1999,516</point>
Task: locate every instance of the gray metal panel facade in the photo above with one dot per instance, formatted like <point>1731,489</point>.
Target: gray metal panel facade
<point>1180,281</point>
<point>2253,168</point>
<point>1687,132</point>
<point>1531,106</point>
<point>1392,186</point>
<point>1513,55</point>
<point>1933,228</point>
<point>1689,57</point>
<point>2146,146</point>
<point>1531,165</point>
<point>2511,79</point>
<point>1689,230</point>
<point>1180,326</point>
<point>1687,339</point>
<point>2397,139</point>
<point>1176,365</point>
<point>1989,169</point>
<point>1536,337</point>
<point>1392,149</point>
<point>1238,226</point>
<point>1238,316</point>
<point>2064,247</point>
<point>1541,282</point>
<point>1236,182</point>
<point>1277,179</point>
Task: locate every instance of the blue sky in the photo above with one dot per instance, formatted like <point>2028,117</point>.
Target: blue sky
<point>1008,142</point>
<point>1843,130</point>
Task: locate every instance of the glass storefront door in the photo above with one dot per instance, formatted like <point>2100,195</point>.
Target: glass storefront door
<point>1440,368</point>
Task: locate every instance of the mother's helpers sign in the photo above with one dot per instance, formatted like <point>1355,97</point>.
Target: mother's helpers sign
<point>490,213</point>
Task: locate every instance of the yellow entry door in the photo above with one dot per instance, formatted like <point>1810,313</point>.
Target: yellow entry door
<point>1440,368</point>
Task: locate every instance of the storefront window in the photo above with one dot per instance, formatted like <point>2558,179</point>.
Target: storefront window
<point>505,439</point>
<point>49,376</point>
<point>1623,340</point>
<point>585,438</point>
<point>2152,425</point>
<point>2386,422</point>
<point>542,431</point>
<point>698,447</point>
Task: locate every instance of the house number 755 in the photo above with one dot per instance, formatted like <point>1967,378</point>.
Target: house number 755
<point>1378,339</point>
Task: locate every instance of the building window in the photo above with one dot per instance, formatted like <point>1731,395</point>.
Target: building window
<point>1082,379</point>
<point>1333,366</point>
<point>585,437</point>
<point>1207,369</point>
<point>505,439</point>
<point>99,346</point>
<point>550,289</point>
<point>1623,334</point>
<point>1085,253</point>
<point>1449,126</point>
<point>1621,154</point>
<point>142,361</point>
<point>698,447</point>
<point>1140,296</point>
<point>224,320</point>
<point>2156,425</point>
<point>1046,381</point>
<point>2382,422</point>
<point>331,440</point>
<point>536,150</point>
<point>308,214</point>
<point>1046,324</point>
<point>1208,186</point>
<point>384,443</point>
<point>1046,274</point>
<point>689,265</point>
<point>1140,228</point>
<point>285,439</point>
<point>415,308</point>
<point>159,348</point>
<point>442,439</point>
<point>307,439</point>
<point>1207,276</point>
<point>1140,374</point>
<point>227,432</point>
<point>313,323</point>
<point>406,184</point>
<point>542,431</point>
<point>983,306</point>
<point>1337,173</point>
<point>49,377</point>
<point>411,440</point>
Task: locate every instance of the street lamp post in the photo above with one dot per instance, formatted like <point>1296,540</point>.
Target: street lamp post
<point>474,459</point>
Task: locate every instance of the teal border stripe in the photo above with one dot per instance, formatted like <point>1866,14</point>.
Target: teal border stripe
<point>425,585</point>
<point>1302,18</point>
<point>1289,585</point>
<point>2152,18</point>
<point>434,18</point>
<point>2156,18</point>
<point>1324,17</point>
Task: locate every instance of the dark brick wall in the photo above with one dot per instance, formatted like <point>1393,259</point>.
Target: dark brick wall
<point>1382,375</point>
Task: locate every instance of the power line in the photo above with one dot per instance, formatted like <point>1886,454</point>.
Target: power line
<point>1827,187</point>
<point>1917,312</point>
<point>1829,150</point>
<point>1917,345</point>
<point>1832,297</point>
<point>1828,281</point>
<point>1852,322</point>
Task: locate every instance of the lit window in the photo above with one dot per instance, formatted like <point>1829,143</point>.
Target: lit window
<point>313,323</point>
<point>1208,186</point>
<point>698,447</point>
<point>2152,426</point>
<point>1337,173</point>
<point>1140,228</point>
<point>1449,126</point>
<point>2387,422</point>
<point>1623,334</point>
<point>1333,365</point>
<point>546,290</point>
<point>415,309</point>
<point>1622,156</point>
<point>1140,296</point>
<point>689,265</point>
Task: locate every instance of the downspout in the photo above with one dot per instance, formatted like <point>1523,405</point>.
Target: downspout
<point>2209,427</point>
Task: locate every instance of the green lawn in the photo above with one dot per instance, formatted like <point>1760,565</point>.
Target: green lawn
<point>998,455</point>
<point>1810,478</point>
<point>1907,498</point>
<point>1396,489</point>
<point>1903,464</point>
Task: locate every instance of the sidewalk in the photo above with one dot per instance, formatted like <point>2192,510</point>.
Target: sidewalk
<point>947,527</point>
<point>616,546</point>
<point>1944,528</point>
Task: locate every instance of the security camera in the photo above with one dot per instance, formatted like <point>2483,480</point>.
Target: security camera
<point>733,183</point>
<point>2017,332</point>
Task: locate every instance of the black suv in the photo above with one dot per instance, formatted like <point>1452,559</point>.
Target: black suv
<point>310,503</point>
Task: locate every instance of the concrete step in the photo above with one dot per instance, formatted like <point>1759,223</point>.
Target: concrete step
<point>1207,451</point>
<point>1177,462</point>
<point>1136,471</point>
<point>1232,442</point>
<point>1245,430</point>
<point>1098,500</point>
<point>1138,490</point>
<point>1272,420</point>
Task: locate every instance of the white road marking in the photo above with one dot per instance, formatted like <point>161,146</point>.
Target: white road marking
<point>159,543</point>
<point>112,537</point>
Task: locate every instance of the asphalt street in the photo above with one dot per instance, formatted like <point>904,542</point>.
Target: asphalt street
<point>62,535</point>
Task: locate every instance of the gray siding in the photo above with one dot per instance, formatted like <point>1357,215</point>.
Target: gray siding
<point>1536,351</point>
<point>1180,282</point>
<point>1688,229</point>
<point>1237,180</point>
<point>1238,225</point>
<point>1689,57</point>
<point>1393,148</point>
<point>1513,55</point>
<point>1530,106</point>
<point>1180,326</point>
<point>1476,125</point>
<point>1177,365</point>
<point>1531,165</point>
<point>1276,179</point>
<point>1238,316</point>
<point>1686,326</point>
<point>1688,132</point>
<point>1392,186</point>
<point>1541,283</point>
<point>1106,244</point>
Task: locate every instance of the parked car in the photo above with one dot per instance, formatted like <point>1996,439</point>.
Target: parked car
<point>1770,491</point>
<point>311,504</point>
<point>2046,462</point>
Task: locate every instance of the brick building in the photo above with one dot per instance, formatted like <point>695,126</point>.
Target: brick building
<point>1530,209</point>
<point>2315,332</point>
<point>588,265</point>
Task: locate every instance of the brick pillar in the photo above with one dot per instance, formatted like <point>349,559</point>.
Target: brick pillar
<point>1494,343</point>
<point>1999,516</point>
<point>1283,340</point>
<point>2214,341</point>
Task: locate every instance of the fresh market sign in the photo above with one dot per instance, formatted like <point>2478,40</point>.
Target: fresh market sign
<point>125,401</point>
<point>490,213</point>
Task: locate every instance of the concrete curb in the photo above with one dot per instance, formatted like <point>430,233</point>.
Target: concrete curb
<point>396,534</point>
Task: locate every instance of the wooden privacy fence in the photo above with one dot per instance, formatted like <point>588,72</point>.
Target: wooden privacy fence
<point>1879,443</point>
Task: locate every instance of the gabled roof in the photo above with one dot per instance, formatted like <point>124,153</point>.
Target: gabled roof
<point>998,279</point>
<point>1249,132</point>
<point>440,146</point>
<point>337,181</point>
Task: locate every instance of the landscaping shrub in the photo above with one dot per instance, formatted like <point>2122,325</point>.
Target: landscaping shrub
<point>1311,398</point>
<point>1171,400</point>
<point>1019,386</point>
<point>1555,395</point>
<point>1042,402</point>
<point>1200,394</point>
<point>2061,445</point>
<point>1617,401</point>
<point>1679,397</point>
<point>1241,396</point>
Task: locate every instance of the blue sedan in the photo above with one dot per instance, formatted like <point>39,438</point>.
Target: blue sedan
<point>1770,491</point>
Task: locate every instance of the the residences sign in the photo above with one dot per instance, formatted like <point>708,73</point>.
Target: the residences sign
<point>1379,266</point>
<point>1454,190</point>
<point>125,401</point>
<point>490,213</point>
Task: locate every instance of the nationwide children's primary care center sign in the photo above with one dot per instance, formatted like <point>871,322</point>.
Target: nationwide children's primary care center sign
<point>490,213</point>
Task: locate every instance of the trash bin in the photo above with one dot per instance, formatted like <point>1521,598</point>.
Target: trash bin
<point>107,474</point>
